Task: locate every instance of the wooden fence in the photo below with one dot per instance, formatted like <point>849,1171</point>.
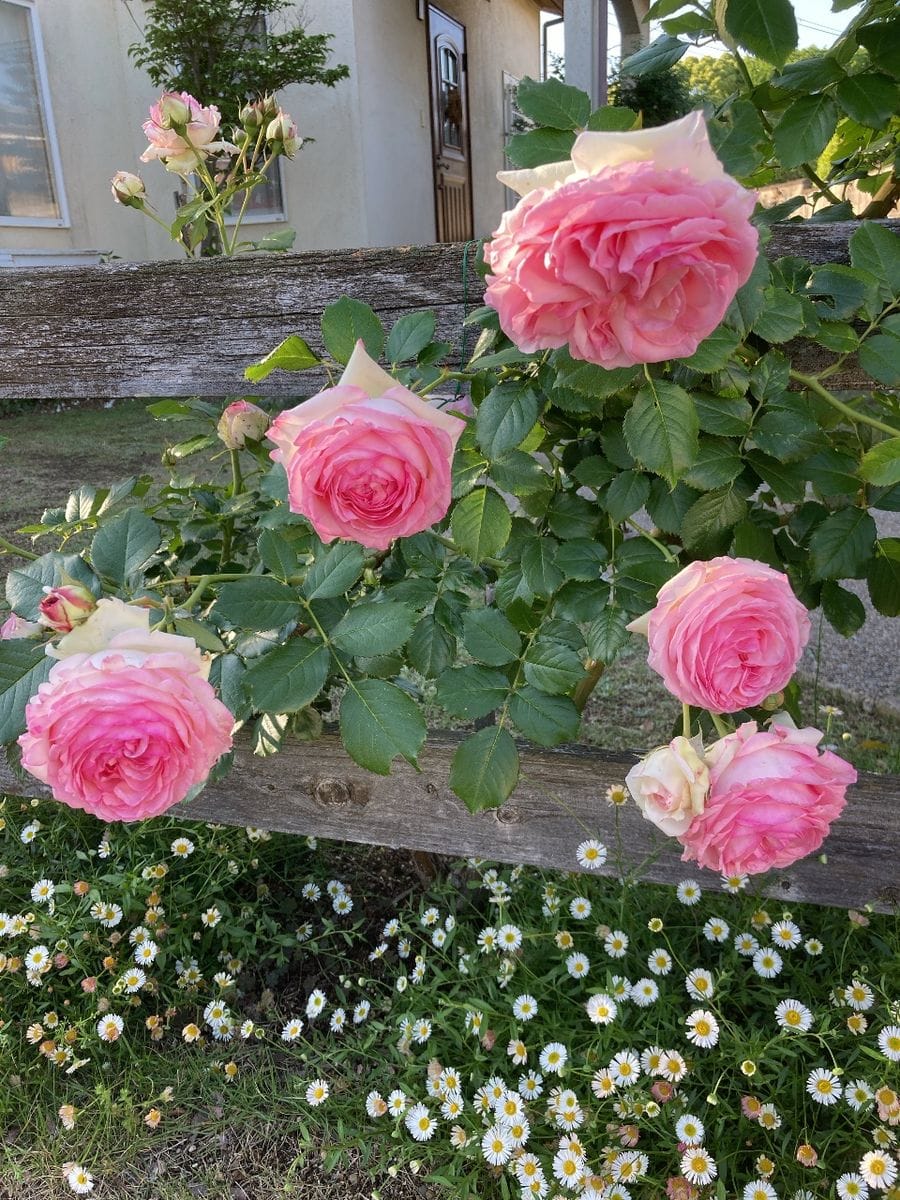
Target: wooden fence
<point>178,329</point>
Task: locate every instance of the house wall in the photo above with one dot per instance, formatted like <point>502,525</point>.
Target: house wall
<point>366,178</point>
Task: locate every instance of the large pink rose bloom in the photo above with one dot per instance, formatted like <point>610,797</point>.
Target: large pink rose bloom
<point>725,634</point>
<point>630,253</point>
<point>367,460</point>
<point>179,151</point>
<point>126,730</point>
<point>772,798</point>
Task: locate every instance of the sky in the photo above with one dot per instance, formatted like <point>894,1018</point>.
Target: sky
<point>817,24</point>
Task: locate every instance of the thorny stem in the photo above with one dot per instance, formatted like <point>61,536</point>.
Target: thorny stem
<point>582,693</point>
<point>645,533</point>
<point>813,384</point>
<point>12,549</point>
<point>686,720</point>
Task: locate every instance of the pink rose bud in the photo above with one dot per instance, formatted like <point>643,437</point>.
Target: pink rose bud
<point>128,189</point>
<point>772,798</point>
<point>257,113</point>
<point>62,608</point>
<point>283,132</point>
<point>631,252</point>
<point>17,627</point>
<point>240,422</point>
<point>174,109</point>
<point>367,460</point>
<point>725,634</point>
<point>670,785</point>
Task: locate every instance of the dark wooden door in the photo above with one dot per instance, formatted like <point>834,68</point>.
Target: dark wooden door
<point>450,127</point>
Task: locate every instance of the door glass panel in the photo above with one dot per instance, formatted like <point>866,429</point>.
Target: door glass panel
<point>451,98</point>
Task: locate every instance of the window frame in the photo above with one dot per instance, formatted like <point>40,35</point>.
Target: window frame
<point>52,145</point>
<point>258,218</point>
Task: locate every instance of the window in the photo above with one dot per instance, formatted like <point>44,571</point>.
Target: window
<point>266,202</point>
<point>513,122</point>
<point>30,177</point>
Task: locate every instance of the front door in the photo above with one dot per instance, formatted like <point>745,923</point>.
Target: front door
<point>450,127</point>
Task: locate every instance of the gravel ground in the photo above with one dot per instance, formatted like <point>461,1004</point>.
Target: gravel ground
<point>868,664</point>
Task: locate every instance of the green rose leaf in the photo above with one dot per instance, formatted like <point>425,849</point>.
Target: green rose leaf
<point>883,577</point>
<point>409,336</point>
<point>505,417</point>
<point>582,559</point>
<point>490,638</point>
<point>553,103</point>
<point>879,355</point>
<point>379,722</point>
<point>471,692</point>
<point>881,464</point>
<point>661,429</point>
<point>539,567</point>
<point>870,99</point>
<point>258,603</point>
<point>345,322</point>
<point>876,250</point>
<point>768,28</point>
<point>374,628</point>
<point>843,545</point>
<point>293,354</point>
<point>540,146</point>
<point>552,667</point>
<point>481,524</point>
<point>607,635</point>
<point>125,545</point>
<point>277,553</point>
<point>547,720</point>
<point>289,677</point>
<point>332,573</point>
<point>627,493</point>
<point>485,768</point>
<point>843,609</point>
<point>805,127</point>
<point>24,666</point>
<point>662,53</point>
<point>431,648</point>
<point>612,118</point>
<point>710,518</point>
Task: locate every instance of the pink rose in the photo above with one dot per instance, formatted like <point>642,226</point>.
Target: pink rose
<point>669,786</point>
<point>725,634</point>
<point>128,189</point>
<point>772,798</point>
<point>62,608</point>
<point>367,460</point>
<point>629,253</point>
<point>240,421</point>
<point>283,132</point>
<point>127,728</point>
<point>17,627</point>
<point>180,129</point>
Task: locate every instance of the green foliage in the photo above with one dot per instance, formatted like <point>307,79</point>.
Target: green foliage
<point>222,52</point>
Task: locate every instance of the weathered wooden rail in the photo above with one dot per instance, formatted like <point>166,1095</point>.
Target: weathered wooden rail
<point>177,329</point>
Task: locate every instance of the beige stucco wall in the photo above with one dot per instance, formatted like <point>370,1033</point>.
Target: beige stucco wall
<point>366,179</point>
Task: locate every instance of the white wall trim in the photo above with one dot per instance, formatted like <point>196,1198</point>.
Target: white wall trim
<point>62,221</point>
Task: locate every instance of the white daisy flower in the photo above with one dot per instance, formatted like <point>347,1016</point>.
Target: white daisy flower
<point>878,1170</point>
<point>716,930</point>
<point>497,1145</point>
<point>768,1117</point>
<point>851,1186</point>
<point>526,1168</point>
<point>688,892</point>
<point>889,1042</point>
<point>785,935</point>
<point>29,832</point>
<point>767,963</point>
<point>439,938</point>
<point>746,944</point>
<point>342,904</point>
<point>568,1167</point>
<point>517,1051</point>
<point>791,1014</point>
<point>397,1102</point>
<point>672,1066</point>
<point>530,1087</point>
<point>37,959</point>
<point>145,953</point>
<point>625,1067</point>
<point>79,1180</point>
<point>430,917</point>
<point>699,984</point>
<point>651,1056</point>
<point>311,891</point>
<point>109,1027</point>
<point>616,943</point>
<point>824,1086</point>
<point>292,1030</point>
<point>553,1058</point>
<point>759,1189</point>
<point>601,1009</point>
<point>580,908</point>
<point>509,937</point>
<point>317,1093</point>
<point>391,929</point>
<point>698,1166</point>
<point>644,992</point>
<point>591,854</point>
<point>43,891</point>
<point>316,1002</point>
<point>525,1007</point>
<point>659,961</point>
<point>702,1029</point>
<point>859,996</point>
<point>603,1084</point>
<point>133,980</point>
<point>813,946</point>
<point>689,1129</point>
<point>361,1012</point>
<point>182,847</point>
<point>339,1020</point>
<point>420,1123</point>
<point>734,883</point>
<point>578,965</point>
<point>376,1106</point>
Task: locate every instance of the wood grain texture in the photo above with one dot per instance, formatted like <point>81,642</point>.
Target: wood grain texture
<point>314,788</point>
<point>190,328</point>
